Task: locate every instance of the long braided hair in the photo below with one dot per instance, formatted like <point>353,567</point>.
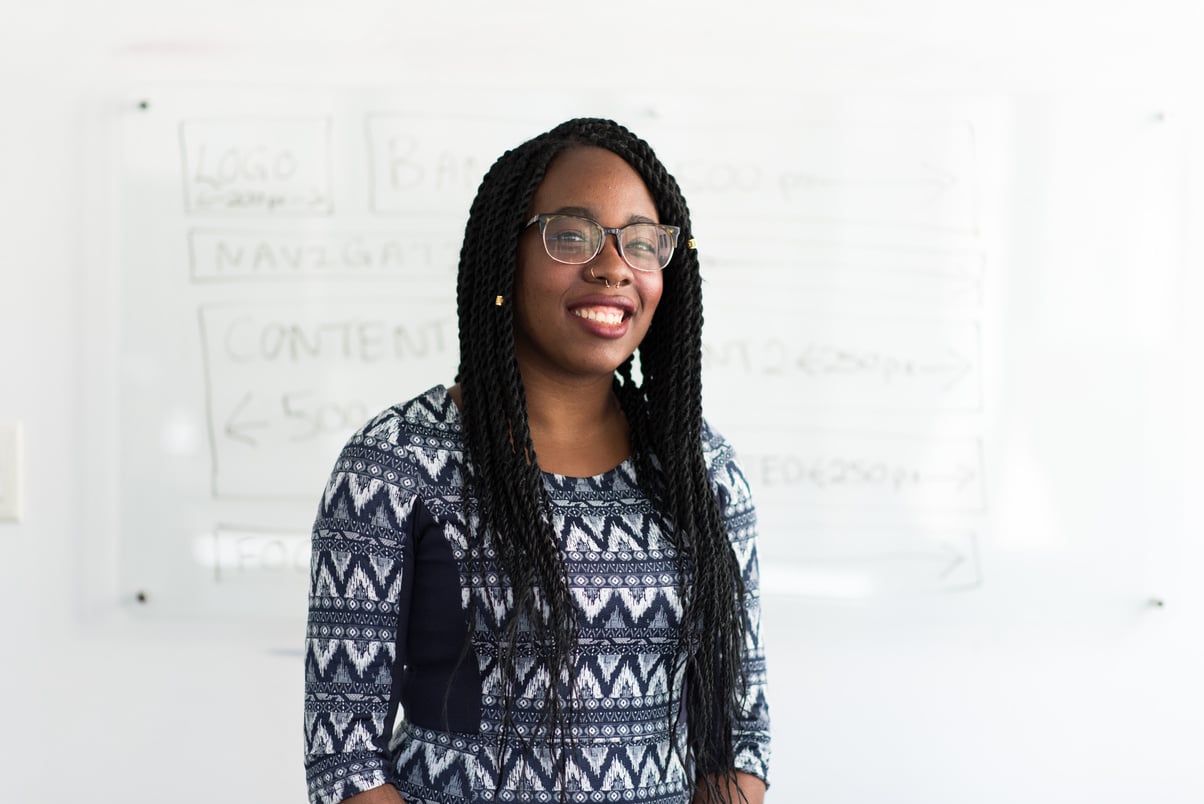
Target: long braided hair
<point>513,521</point>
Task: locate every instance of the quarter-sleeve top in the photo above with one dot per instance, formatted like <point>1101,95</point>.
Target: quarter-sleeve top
<point>396,692</point>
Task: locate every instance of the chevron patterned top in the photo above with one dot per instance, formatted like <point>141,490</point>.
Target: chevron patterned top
<point>390,695</point>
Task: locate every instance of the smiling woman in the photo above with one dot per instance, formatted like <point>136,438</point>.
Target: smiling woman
<point>540,584</point>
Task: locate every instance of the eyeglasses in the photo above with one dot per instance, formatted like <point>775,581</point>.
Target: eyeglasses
<point>574,240</point>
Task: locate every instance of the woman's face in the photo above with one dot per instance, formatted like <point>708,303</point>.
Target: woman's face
<point>568,323</point>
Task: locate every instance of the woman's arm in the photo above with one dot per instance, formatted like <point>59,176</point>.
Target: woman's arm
<point>385,794</point>
<point>746,788</point>
<point>360,584</point>
<point>750,726</point>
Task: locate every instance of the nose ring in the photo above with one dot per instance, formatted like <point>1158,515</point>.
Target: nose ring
<point>603,278</point>
<point>607,282</point>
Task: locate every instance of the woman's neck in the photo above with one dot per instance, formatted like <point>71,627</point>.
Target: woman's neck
<point>578,428</point>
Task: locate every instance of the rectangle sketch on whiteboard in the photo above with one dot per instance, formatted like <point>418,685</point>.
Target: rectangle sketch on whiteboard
<point>228,255</point>
<point>288,383</point>
<point>257,166</point>
<point>846,362</point>
<point>806,471</point>
<point>846,560</point>
<point>852,275</point>
<point>888,174</point>
<point>416,168</point>
<point>240,552</point>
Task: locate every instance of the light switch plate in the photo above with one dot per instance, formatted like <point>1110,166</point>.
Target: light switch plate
<point>10,472</point>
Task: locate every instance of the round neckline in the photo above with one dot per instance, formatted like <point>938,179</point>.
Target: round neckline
<point>624,463</point>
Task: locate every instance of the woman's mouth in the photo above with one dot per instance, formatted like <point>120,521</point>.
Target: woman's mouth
<point>602,315</point>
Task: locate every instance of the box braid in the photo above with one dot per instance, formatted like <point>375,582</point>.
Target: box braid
<point>664,413</point>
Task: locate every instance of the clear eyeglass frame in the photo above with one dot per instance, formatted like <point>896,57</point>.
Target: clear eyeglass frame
<point>664,233</point>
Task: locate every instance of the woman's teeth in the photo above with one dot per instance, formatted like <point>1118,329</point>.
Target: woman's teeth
<point>604,316</point>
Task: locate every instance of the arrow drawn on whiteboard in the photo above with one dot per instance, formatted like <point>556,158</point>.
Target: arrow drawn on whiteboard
<point>957,367</point>
<point>961,477</point>
<point>946,556</point>
<point>816,359</point>
<point>235,430</point>
<point>943,180</point>
<point>317,198</point>
<point>829,360</point>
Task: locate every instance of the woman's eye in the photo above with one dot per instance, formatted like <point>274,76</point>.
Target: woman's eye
<point>569,236</point>
<point>641,246</point>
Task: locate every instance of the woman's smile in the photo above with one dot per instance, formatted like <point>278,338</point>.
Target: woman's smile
<point>602,315</point>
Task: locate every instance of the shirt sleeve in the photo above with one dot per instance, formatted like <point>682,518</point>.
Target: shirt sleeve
<point>360,577</point>
<point>751,745</point>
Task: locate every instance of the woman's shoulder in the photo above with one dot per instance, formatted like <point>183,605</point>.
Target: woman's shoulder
<point>423,429</point>
<point>429,419</point>
<point>715,447</point>
<point>415,446</point>
<point>724,467</point>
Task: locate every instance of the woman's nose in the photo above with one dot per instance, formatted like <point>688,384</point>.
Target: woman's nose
<point>608,266</point>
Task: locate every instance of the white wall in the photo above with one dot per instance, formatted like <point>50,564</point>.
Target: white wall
<point>1052,682</point>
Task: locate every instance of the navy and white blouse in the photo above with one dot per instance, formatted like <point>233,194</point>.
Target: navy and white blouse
<point>388,696</point>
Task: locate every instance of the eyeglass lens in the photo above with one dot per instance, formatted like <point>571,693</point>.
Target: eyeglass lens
<point>574,240</point>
